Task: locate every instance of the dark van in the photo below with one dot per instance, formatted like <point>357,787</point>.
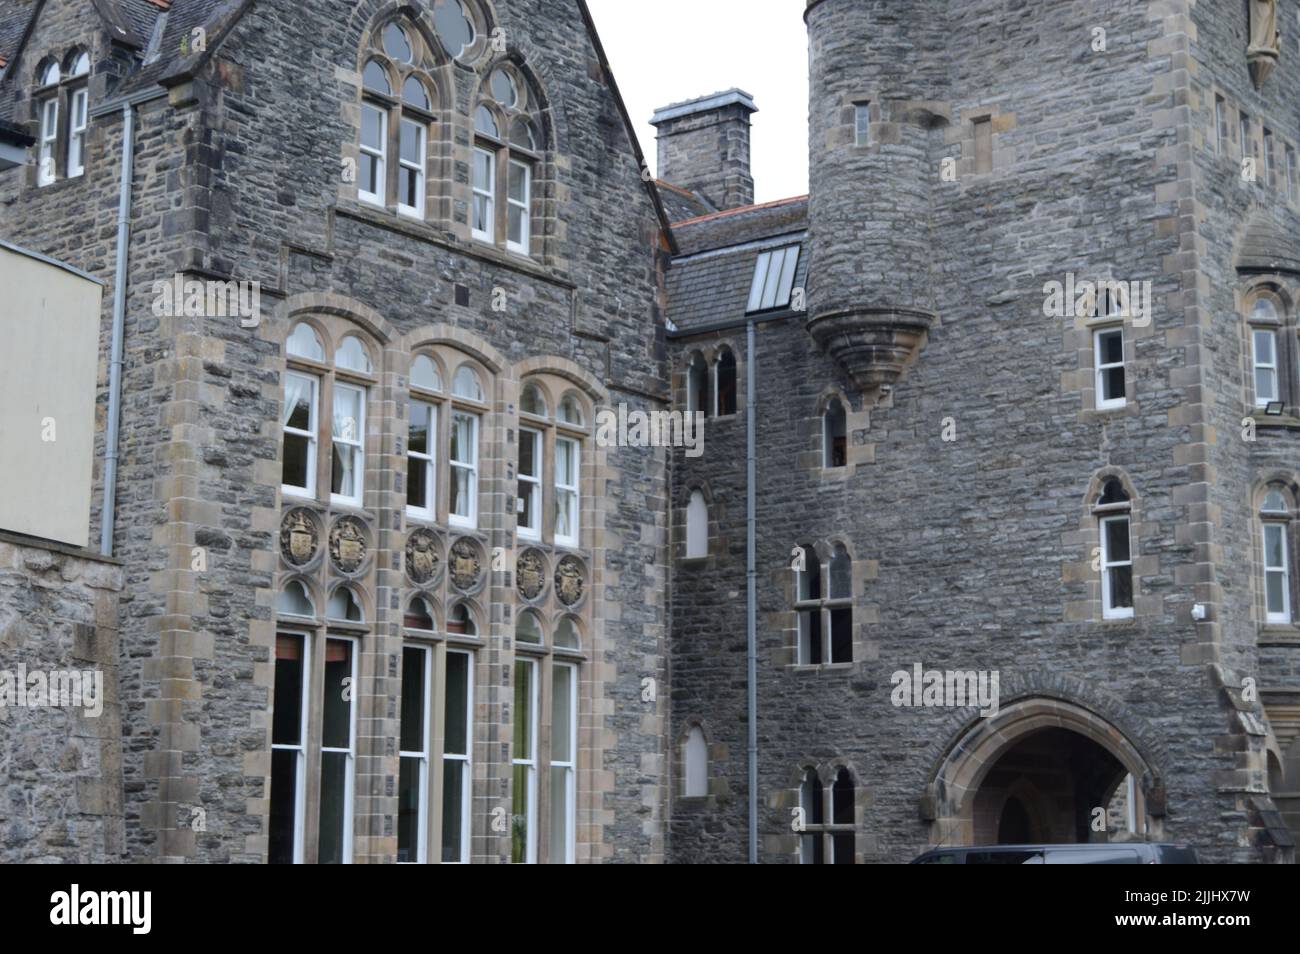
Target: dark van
<point>1135,853</point>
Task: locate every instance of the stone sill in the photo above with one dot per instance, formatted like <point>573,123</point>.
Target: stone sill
<point>821,667</point>
<point>67,549</point>
<point>1275,422</point>
<point>1278,635</point>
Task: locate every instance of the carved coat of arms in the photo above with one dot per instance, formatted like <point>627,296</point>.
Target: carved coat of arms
<point>298,538</point>
<point>348,544</point>
<point>464,565</point>
<point>530,574</point>
<point>569,580</point>
<point>422,556</point>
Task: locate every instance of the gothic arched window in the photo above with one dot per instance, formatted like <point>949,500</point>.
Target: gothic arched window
<point>508,146</point>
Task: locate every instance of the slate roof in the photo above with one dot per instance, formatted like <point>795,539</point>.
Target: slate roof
<point>709,282</point>
<point>681,203</point>
<point>1268,248</point>
<point>13,21</point>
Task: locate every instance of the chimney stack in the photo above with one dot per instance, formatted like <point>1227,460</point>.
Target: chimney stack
<point>704,147</point>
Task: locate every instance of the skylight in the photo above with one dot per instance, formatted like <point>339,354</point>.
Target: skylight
<point>773,279</point>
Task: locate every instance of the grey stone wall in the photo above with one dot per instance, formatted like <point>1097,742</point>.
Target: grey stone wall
<point>60,754</point>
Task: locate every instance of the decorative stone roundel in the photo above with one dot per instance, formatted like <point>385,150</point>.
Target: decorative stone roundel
<point>570,580</point>
<point>299,537</point>
<point>422,560</point>
<point>530,574</point>
<point>348,544</point>
<point>465,565</point>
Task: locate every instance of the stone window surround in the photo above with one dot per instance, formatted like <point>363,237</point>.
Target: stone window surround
<point>857,426</point>
<point>717,542</point>
<point>1283,296</point>
<point>788,799</point>
<point>64,91</point>
<point>1287,483</point>
<point>555,389</point>
<point>1237,152</point>
<point>864,614</point>
<point>1080,337</point>
<point>716,779</point>
<point>1086,541</point>
<point>963,133</point>
<point>711,353</point>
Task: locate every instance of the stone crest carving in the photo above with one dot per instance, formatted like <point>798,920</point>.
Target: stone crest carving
<point>569,580</point>
<point>464,565</point>
<point>422,560</point>
<point>299,539</point>
<point>530,575</point>
<point>348,544</point>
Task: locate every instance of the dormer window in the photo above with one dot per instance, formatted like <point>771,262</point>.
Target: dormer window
<point>773,280</point>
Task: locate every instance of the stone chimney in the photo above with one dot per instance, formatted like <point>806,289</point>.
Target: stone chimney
<point>704,147</point>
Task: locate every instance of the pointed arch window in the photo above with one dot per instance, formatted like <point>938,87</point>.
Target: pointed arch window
<point>62,112</point>
<point>697,527</point>
<point>397,118</point>
<point>506,155</point>
<point>1113,510</point>
<point>695,772</point>
<point>812,848</point>
<point>724,373</point>
<point>697,385</point>
<point>825,613</point>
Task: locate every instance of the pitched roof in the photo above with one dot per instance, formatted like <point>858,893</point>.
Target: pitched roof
<point>681,204</point>
<point>709,283</point>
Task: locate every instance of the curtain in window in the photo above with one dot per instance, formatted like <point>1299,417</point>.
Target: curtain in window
<point>297,393</point>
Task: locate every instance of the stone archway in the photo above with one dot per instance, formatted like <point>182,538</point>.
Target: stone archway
<point>1037,772</point>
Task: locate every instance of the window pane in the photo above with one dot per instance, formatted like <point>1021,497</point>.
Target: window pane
<point>560,812</point>
<point>518,182</point>
<point>376,78</point>
<point>1112,347</point>
<point>336,722</point>
<point>520,808</point>
<point>461,495</point>
<point>413,668</point>
<point>516,225</point>
<point>1274,548</point>
<point>528,441</point>
<point>296,453</point>
<point>345,472</point>
<point>1117,545</point>
<point>417,483</point>
<point>841,635</point>
<point>1264,350</point>
<point>418,439</point>
<point>372,127</point>
<point>1276,587</point>
<point>1112,384</point>
<point>1121,587</point>
<point>1265,385</point>
<point>523,738</point>
<point>453,783</point>
<point>284,803</point>
<point>369,174</point>
<point>412,143</point>
<point>413,93</point>
<point>408,810</point>
<point>457,731</point>
<point>396,44</point>
<point>842,844</point>
<point>347,413</point>
<point>286,721</point>
<point>333,804</point>
<point>562,714</point>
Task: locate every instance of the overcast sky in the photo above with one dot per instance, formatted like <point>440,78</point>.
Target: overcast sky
<point>672,50</point>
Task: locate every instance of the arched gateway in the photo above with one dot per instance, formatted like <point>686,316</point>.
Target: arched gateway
<point>1036,772</point>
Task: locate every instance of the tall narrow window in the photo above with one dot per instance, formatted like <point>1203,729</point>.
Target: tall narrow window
<point>862,124</point>
<point>348,466</point>
<point>1243,123</point>
<point>983,135</point>
<point>697,527</point>
<point>1221,125</point>
<point>519,205</point>
<point>411,159</point>
<point>457,743</point>
<point>338,740</point>
<point>812,850</point>
<point>413,769</point>
<point>530,483</point>
<point>524,821</point>
<point>567,468</point>
<point>49,135</point>
<point>1109,355</point>
<point>1275,515</point>
<point>464,469</point>
<point>1270,175</point>
<point>485,177</point>
<point>839,606</point>
<point>299,469</point>
<point>696,767</point>
<point>834,435</point>
<point>564,752</point>
<point>372,179</point>
<point>808,598</point>
<point>843,826</point>
<point>77,121</point>
<point>697,385</point>
<point>421,497</point>
<point>725,385</point>
<point>288,751</point>
<point>1290,172</point>
<point>1265,350</point>
<point>1116,558</point>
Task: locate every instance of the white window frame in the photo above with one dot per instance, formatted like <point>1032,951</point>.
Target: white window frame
<point>424,756</point>
<point>312,435</point>
<point>380,155</point>
<point>486,193</point>
<point>1262,400</point>
<point>466,778</point>
<point>565,491</point>
<point>80,106</point>
<point>530,764</point>
<point>358,446</point>
<point>413,211</point>
<point>1281,527</point>
<point>49,139</point>
<point>569,767</point>
<point>429,460</point>
<point>304,728</point>
<point>469,521</point>
<point>349,775</point>
<point>534,482</point>
<point>524,246</point>
<point>1104,403</point>
<point>1108,610</point>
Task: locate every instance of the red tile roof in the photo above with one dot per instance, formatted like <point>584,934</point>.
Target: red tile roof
<point>740,211</point>
<point>161,4</point>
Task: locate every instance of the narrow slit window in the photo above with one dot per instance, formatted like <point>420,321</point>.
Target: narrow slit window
<point>457,745</point>
<point>1221,126</point>
<point>288,751</point>
<point>725,386</point>
<point>337,752</point>
<point>835,435</point>
<point>862,124</point>
<point>523,831</point>
<point>696,774</point>
<point>564,749</point>
<point>983,133</point>
<point>1109,349</point>
<point>1117,568</point>
<point>413,755</point>
<point>697,527</point>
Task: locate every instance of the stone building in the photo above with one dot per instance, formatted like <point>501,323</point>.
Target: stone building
<point>378,589</point>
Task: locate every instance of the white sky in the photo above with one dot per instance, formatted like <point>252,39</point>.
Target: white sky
<point>672,50</point>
